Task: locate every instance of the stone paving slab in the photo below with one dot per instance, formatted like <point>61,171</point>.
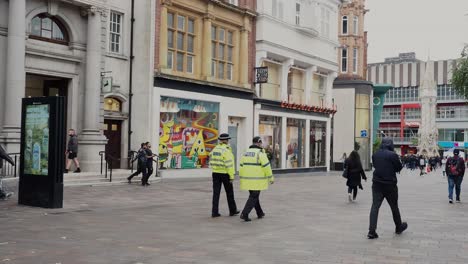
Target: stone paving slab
<point>308,220</point>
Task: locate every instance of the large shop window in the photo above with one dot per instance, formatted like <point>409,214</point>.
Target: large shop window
<point>188,132</point>
<point>270,132</point>
<point>318,132</point>
<point>295,138</point>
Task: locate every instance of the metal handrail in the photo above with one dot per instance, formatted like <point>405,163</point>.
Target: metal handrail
<point>107,160</point>
<point>131,156</point>
<point>6,169</point>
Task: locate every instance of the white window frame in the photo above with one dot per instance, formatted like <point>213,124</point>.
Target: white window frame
<point>115,33</point>
<point>356,25</point>
<point>355,60</point>
<point>233,2</point>
<point>298,13</point>
<point>344,58</point>
<point>344,29</point>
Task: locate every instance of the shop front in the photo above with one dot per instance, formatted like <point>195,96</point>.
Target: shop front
<point>190,123</point>
<point>294,139</point>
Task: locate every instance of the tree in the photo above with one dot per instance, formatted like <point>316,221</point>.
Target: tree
<point>460,74</point>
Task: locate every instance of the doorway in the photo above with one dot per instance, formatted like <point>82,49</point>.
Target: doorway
<point>232,131</point>
<point>113,133</point>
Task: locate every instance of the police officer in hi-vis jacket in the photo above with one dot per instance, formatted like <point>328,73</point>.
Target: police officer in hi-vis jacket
<point>255,176</point>
<point>222,164</point>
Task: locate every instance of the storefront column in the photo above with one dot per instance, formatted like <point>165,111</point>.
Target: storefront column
<point>92,140</point>
<point>328,145</point>
<point>307,144</point>
<point>15,73</point>
<point>309,83</point>
<point>244,54</point>
<point>206,49</point>
<point>286,65</point>
<point>163,36</point>
<point>284,145</point>
<point>257,108</point>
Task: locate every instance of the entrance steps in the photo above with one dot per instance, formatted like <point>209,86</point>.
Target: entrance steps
<point>95,178</point>
<point>119,176</point>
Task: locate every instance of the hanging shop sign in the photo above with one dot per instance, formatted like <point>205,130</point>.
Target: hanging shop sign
<point>261,74</point>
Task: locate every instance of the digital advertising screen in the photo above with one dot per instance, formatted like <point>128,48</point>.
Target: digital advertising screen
<point>36,154</point>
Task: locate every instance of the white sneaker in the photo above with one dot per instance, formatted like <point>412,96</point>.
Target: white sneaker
<point>7,195</point>
<point>458,201</point>
<point>451,201</point>
<point>350,199</point>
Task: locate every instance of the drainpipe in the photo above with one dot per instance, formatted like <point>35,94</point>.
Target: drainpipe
<point>130,82</point>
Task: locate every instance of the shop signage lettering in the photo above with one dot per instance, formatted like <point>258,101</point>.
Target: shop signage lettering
<point>308,108</point>
<point>261,74</point>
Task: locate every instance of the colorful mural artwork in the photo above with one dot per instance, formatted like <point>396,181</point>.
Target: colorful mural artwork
<point>188,132</point>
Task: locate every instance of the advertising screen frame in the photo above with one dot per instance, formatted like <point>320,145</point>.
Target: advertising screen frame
<point>43,190</point>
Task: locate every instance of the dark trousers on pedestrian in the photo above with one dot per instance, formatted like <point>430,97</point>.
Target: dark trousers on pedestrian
<point>353,190</point>
<point>142,168</point>
<point>380,192</point>
<point>218,180</point>
<point>253,202</point>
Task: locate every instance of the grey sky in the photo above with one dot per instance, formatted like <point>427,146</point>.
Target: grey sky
<point>438,26</point>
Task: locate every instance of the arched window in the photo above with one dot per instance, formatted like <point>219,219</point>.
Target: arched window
<point>344,25</point>
<point>48,28</point>
<point>112,105</point>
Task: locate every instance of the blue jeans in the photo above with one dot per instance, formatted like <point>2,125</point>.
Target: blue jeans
<point>454,181</point>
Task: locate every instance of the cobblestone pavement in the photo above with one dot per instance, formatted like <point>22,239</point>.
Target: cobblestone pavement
<point>308,220</point>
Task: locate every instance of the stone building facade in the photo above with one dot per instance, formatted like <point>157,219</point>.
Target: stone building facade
<point>80,49</point>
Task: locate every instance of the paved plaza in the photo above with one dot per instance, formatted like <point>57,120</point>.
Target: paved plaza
<point>308,220</point>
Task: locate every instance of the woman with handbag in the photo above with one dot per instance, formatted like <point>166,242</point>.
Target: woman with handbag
<point>353,173</point>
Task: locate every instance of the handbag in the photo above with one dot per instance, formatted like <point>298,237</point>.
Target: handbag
<point>345,173</point>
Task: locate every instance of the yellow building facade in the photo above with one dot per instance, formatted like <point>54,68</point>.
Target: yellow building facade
<point>203,40</point>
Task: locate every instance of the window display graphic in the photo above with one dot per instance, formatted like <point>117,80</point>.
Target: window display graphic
<point>37,140</point>
<point>188,131</point>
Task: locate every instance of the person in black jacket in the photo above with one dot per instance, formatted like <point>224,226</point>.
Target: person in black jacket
<point>142,165</point>
<point>455,169</point>
<point>384,186</point>
<point>149,163</point>
<point>355,171</point>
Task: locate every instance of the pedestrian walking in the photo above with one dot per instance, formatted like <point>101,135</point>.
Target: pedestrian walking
<point>222,166</point>
<point>422,165</point>
<point>72,151</point>
<point>354,172</point>
<point>455,169</point>
<point>384,186</point>
<point>444,162</point>
<point>255,175</point>
<point>142,168</point>
<point>149,162</point>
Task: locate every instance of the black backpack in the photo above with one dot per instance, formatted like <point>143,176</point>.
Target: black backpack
<point>453,166</point>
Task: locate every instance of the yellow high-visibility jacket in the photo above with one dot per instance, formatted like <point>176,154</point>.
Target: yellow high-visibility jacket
<point>222,160</point>
<point>255,171</point>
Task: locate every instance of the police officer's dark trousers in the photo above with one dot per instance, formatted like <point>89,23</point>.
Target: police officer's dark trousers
<point>379,193</point>
<point>218,180</point>
<point>253,202</point>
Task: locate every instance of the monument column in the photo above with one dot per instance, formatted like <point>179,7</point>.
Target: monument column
<point>15,73</point>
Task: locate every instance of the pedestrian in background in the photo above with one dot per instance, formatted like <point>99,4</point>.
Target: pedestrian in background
<point>255,176</point>
<point>149,162</point>
<point>384,186</point>
<point>222,165</point>
<point>354,173</point>
<point>142,168</point>
<point>455,169</point>
<point>72,151</point>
